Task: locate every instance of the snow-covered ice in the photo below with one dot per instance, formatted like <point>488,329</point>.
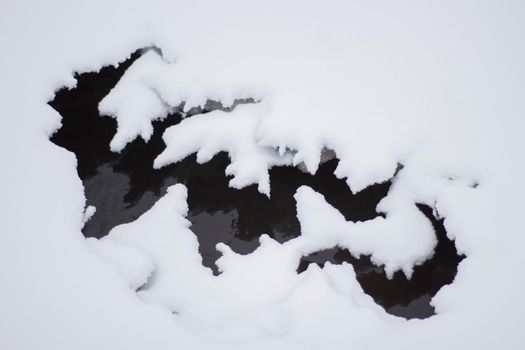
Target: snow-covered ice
<point>435,86</point>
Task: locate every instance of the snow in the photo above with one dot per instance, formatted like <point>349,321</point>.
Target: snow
<point>209,303</point>
<point>135,266</point>
<point>133,104</point>
<point>233,132</point>
<point>400,241</point>
<point>435,86</point>
<point>88,213</point>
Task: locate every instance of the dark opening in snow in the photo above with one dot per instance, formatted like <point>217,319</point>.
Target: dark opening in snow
<point>122,186</point>
<point>400,296</point>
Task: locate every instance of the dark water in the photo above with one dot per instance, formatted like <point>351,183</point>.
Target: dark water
<point>124,185</point>
<point>399,296</point>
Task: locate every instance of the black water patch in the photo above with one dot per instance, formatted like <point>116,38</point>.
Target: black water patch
<point>399,295</point>
<point>124,185</point>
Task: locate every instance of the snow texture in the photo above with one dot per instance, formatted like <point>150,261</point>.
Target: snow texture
<point>233,132</point>
<point>133,104</point>
<point>435,86</point>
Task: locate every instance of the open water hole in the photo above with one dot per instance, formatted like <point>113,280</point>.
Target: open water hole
<point>124,185</point>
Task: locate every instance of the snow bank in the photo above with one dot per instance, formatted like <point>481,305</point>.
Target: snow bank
<point>265,282</point>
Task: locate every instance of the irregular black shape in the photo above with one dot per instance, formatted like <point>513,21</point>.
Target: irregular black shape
<point>400,296</point>
<point>239,217</point>
<point>124,185</point>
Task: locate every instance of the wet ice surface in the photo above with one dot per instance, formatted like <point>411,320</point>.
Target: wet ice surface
<point>122,186</point>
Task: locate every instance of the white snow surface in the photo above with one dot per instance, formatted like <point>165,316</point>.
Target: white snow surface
<point>133,104</point>
<point>437,86</point>
<point>233,132</point>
